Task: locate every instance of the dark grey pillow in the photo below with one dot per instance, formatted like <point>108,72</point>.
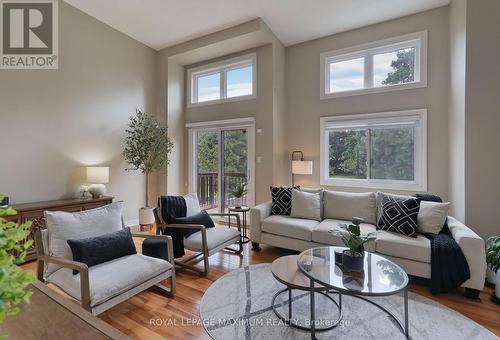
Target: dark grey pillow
<point>202,218</point>
<point>104,248</point>
<point>399,215</point>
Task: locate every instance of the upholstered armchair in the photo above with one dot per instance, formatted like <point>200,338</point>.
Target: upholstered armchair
<point>205,242</point>
<point>99,287</point>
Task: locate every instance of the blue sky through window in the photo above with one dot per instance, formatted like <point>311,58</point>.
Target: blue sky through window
<point>239,82</point>
<point>347,75</point>
<point>209,87</point>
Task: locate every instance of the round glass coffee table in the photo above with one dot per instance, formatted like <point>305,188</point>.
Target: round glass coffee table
<point>284,270</point>
<point>380,277</point>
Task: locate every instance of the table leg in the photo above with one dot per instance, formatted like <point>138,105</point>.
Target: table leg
<point>407,334</point>
<point>313,323</point>
<point>289,303</point>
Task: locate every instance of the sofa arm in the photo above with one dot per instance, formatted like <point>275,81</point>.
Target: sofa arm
<point>257,215</point>
<point>472,246</point>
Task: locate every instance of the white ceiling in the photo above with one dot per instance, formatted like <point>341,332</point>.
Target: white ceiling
<point>162,23</point>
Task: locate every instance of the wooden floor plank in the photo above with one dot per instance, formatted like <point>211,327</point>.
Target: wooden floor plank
<point>171,315</point>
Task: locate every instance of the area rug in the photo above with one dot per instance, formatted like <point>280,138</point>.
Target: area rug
<point>238,306</point>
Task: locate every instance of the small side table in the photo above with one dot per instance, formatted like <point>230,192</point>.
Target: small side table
<point>243,210</point>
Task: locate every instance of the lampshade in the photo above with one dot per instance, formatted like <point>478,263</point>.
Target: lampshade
<point>97,174</point>
<point>302,167</point>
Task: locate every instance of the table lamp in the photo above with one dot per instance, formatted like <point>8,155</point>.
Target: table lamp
<point>97,176</point>
<point>300,167</point>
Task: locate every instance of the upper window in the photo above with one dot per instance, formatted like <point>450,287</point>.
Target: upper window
<point>229,80</point>
<point>381,150</point>
<point>385,65</point>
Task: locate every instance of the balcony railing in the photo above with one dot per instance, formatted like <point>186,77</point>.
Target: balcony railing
<point>208,188</point>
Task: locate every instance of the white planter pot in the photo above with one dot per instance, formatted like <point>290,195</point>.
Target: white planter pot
<point>497,285</point>
<point>237,202</point>
<point>490,277</point>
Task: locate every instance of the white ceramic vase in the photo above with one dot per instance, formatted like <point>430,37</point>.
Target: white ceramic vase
<point>237,202</point>
<point>97,190</point>
<point>490,277</point>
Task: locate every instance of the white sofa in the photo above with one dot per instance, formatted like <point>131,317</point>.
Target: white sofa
<point>413,254</point>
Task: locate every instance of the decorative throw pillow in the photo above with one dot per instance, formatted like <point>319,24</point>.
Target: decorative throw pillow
<point>399,215</point>
<point>104,248</point>
<point>192,204</point>
<point>434,198</point>
<point>63,226</point>
<point>432,216</point>
<point>202,218</point>
<point>282,200</point>
<point>306,205</point>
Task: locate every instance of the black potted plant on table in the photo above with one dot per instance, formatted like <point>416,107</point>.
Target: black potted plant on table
<point>353,258</point>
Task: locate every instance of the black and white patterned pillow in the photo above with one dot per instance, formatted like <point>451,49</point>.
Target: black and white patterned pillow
<point>282,200</point>
<point>399,215</point>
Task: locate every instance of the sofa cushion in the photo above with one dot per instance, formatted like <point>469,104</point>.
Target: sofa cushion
<point>306,205</point>
<point>215,237</point>
<point>320,234</point>
<point>289,226</point>
<point>346,205</point>
<point>282,200</point>
<point>397,245</point>
<point>63,226</point>
<point>109,279</point>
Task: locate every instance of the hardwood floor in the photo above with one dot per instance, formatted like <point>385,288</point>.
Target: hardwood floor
<point>151,315</point>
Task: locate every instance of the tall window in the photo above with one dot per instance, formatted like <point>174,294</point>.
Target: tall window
<point>229,80</point>
<point>381,150</point>
<point>386,65</point>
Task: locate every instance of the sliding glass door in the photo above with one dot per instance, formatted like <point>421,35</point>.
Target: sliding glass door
<point>221,160</point>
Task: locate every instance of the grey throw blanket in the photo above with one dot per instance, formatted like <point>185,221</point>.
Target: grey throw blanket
<point>449,267</point>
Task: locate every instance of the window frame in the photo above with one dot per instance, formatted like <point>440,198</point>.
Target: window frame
<point>377,119</point>
<point>417,40</point>
<point>221,68</point>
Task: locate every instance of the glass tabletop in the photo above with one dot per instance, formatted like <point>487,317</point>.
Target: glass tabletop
<point>379,277</point>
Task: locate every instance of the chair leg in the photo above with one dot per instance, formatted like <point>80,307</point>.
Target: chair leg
<point>165,290</point>
<point>205,262</point>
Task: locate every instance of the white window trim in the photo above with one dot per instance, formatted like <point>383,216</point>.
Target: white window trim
<point>418,40</point>
<point>221,67</point>
<point>420,183</point>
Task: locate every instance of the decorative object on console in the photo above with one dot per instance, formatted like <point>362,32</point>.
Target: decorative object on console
<point>4,202</point>
<point>300,167</point>
<point>240,190</point>
<point>282,200</point>
<point>353,258</point>
<point>493,262</point>
<point>147,148</point>
<point>13,248</point>
<point>399,215</point>
<point>83,191</point>
<point>97,176</point>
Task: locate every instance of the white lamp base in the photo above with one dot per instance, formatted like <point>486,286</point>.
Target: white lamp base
<point>97,190</point>
<point>146,218</point>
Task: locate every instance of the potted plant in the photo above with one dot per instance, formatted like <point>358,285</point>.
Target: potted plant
<point>13,279</point>
<point>353,258</point>
<point>239,190</point>
<point>147,148</point>
<point>493,262</point>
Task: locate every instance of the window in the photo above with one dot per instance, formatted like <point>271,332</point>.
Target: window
<point>391,64</point>
<point>379,150</point>
<point>230,80</point>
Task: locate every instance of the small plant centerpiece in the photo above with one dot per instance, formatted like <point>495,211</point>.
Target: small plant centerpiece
<point>147,148</point>
<point>238,192</point>
<point>13,279</point>
<point>353,258</point>
<point>493,262</point>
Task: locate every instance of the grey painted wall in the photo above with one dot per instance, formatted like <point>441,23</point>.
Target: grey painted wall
<point>304,107</point>
<point>56,122</point>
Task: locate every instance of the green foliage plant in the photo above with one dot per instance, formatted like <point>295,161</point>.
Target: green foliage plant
<point>353,238</point>
<point>239,190</point>
<point>147,146</point>
<point>493,253</point>
<point>13,279</point>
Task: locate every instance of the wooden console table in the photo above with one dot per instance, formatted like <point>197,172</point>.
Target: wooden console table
<point>49,315</point>
<point>34,212</point>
